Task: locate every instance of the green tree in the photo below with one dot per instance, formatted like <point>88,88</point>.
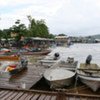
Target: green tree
<point>1,34</point>
<point>38,28</point>
<point>62,34</point>
<point>21,30</point>
<point>51,36</point>
<point>6,34</point>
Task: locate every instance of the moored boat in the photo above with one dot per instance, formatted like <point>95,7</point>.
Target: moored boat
<point>43,52</point>
<point>49,61</point>
<point>90,75</point>
<point>10,65</point>
<point>59,77</point>
<point>69,64</point>
<point>25,52</point>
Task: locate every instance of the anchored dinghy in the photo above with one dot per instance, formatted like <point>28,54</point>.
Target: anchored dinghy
<point>59,77</point>
<point>90,74</point>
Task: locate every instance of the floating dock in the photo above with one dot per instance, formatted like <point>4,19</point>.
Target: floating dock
<point>25,79</point>
<point>17,94</point>
<point>19,88</point>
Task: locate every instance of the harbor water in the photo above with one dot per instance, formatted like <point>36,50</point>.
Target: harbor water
<point>79,52</point>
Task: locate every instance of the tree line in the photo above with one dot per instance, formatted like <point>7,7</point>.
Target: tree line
<point>36,28</point>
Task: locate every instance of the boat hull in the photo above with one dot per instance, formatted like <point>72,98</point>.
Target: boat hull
<point>93,83</point>
<point>90,75</point>
<point>59,77</point>
<point>45,52</point>
<point>61,83</point>
<point>47,62</point>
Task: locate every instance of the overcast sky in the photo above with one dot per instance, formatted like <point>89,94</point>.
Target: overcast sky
<point>71,17</point>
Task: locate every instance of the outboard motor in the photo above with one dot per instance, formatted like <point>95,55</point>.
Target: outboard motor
<point>56,56</point>
<point>88,59</point>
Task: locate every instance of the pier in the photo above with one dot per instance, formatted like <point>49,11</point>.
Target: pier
<point>19,87</point>
<point>25,79</point>
<point>17,94</point>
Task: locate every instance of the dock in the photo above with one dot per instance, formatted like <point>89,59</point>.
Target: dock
<point>25,79</point>
<point>17,94</point>
<point>19,87</point>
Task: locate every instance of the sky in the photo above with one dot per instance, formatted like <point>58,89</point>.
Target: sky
<point>71,17</point>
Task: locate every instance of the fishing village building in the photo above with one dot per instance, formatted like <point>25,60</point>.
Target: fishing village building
<point>61,40</point>
<point>40,42</point>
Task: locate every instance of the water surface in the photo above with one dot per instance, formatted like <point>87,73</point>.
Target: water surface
<point>79,52</point>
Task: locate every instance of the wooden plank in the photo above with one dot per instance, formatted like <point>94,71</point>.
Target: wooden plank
<point>18,96</point>
<point>12,96</point>
<point>1,92</point>
<point>93,99</point>
<point>83,98</point>
<point>23,96</point>
<point>42,97</point>
<point>88,69</point>
<point>48,97</point>
<point>30,95</point>
<point>24,76</point>
<point>2,95</point>
<point>70,98</point>
<point>27,95</point>
<point>96,98</point>
<point>35,97</point>
<point>53,97</point>
<point>8,95</point>
<point>15,82</point>
<point>77,98</point>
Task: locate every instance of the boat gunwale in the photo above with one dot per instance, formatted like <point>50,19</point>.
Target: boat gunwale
<point>73,74</point>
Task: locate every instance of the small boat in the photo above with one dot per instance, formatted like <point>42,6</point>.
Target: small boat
<point>10,65</point>
<point>26,52</point>
<point>49,61</point>
<point>4,51</point>
<point>90,75</point>
<point>59,77</point>
<point>42,52</point>
<point>70,64</point>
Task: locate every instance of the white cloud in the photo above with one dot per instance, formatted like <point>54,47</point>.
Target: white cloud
<point>62,16</point>
<point>37,9</point>
<point>14,2</point>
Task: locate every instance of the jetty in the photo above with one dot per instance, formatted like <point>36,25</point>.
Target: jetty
<point>25,79</point>
<point>20,94</point>
<point>19,87</point>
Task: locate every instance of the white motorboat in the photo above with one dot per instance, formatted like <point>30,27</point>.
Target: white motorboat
<point>49,61</point>
<point>69,64</point>
<point>90,75</point>
<point>59,77</point>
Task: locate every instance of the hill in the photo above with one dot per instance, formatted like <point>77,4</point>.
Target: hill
<point>96,36</point>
